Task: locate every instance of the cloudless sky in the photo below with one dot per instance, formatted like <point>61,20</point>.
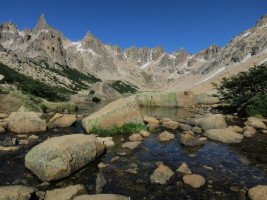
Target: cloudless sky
<point>172,24</point>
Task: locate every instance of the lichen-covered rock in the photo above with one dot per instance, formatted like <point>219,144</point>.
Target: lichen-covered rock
<point>58,157</point>
<point>67,193</point>
<point>125,110</point>
<point>224,135</point>
<point>16,192</point>
<point>161,175</point>
<point>25,122</point>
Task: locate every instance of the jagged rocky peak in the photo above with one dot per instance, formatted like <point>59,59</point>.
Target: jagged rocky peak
<point>157,52</point>
<point>8,31</point>
<point>208,52</point>
<point>262,21</point>
<point>41,24</point>
<point>89,36</point>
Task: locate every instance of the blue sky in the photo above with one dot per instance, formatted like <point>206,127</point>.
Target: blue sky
<point>172,24</point>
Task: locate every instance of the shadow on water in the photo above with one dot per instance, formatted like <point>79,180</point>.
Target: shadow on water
<point>225,167</point>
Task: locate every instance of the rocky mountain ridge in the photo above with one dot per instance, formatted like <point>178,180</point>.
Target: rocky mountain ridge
<point>47,55</point>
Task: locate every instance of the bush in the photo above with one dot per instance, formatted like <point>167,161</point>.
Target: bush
<point>245,92</point>
<point>127,128</point>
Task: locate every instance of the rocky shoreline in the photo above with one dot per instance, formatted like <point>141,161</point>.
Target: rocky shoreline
<point>61,156</point>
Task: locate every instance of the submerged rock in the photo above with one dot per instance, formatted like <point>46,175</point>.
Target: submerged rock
<point>224,135</point>
<point>131,145</point>
<point>194,180</point>
<point>67,193</point>
<point>58,157</point>
<point>258,192</point>
<point>102,197</point>
<point>161,175</point>
<point>165,136</point>
<point>25,122</point>
<point>16,192</point>
<point>190,141</point>
<point>116,113</point>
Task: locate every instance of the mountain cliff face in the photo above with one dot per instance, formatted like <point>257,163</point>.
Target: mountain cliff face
<point>45,54</point>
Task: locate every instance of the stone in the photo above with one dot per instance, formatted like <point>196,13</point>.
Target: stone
<point>184,169</point>
<point>3,115</point>
<point>7,142</point>
<point>3,125</point>
<point>196,130</point>
<point>152,126</point>
<point>189,132</point>
<point>62,120</point>
<point>144,133</point>
<point>264,131</point>
<point>107,141</point>
<point>130,171</point>
<point>16,192</point>
<point>102,197</point>
<point>185,127</point>
<point>14,141</point>
<point>131,145</point>
<point>190,141</point>
<point>151,120</point>
<point>194,180</point>
<point>135,137</point>
<point>119,112</point>
<point>33,137</point>
<point>22,136</point>
<point>67,193</point>
<point>171,125</point>
<point>43,186</point>
<point>58,157</point>
<point>161,175</point>
<point>255,123</point>
<point>25,122</point>
<point>23,142</point>
<point>100,183</point>
<point>236,129</point>
<point>1,77</point>
<point>211,122</point>
<point>8,148</point>
<point>101,91</point>
<point>224,135</point>
<point>165,136</point>
<point>115,159</point>
<point>102,165</point>
<point>249,131</point>
<point>165,120</point>
<point>2,130</point>
<point>23,109</point>
<point>40,195</point>
<point>258,192</point>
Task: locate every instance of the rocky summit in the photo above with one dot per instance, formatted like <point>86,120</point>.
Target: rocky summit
<point>44,53</point>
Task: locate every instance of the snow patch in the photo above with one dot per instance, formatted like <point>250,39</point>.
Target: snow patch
<point>245,35</point>
<point>265,25</point>
<point>174,74</point>
<point>21,34</point>
<point>44,31</point>
<point>263,61</point>
<point>125,55</point>
<point>79,48</point>
<point>145,65</point>
<point>246,58</point>
<point>172,56</point>
<point>212,75</point>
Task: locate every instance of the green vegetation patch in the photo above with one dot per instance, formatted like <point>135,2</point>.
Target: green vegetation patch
<point>58,107</point>
<point>127,128</point>
<point>33,87</point>
<point>123,87</point>
<point>246,92</point>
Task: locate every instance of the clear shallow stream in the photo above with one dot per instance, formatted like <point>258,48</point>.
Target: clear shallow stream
<point>227,168</point>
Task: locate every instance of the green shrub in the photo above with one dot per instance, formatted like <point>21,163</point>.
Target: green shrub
<point>245,92</point>
<point>127,128</point>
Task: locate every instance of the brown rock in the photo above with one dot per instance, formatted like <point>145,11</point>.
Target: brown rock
<point>165,136</point>
<point>190,140</point>
<point>144,133</point>
<point>67,193</point>
<point>101,197</point>
<point>194,180</point>
<point>255,123</point>
<point>151,120</point>
<point>9,148</point>
<point>165,120</point>
<point>236,129</point>
<point>62,120</point>
<point>152,126</point>
<point>131,145</point>
<point>3,125</point>
<point>249,131</point>
<point>16,192</point>
<point>258,193</point>
<point>185,127</point>
<point>135,137</point>
<point>161,175</point>
<point>197,130</point>
<point>171,125</point>
<point>211,122</point>
<point>184,169</point>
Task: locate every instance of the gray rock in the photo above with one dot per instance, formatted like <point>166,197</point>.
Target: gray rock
<point>16,192</point>
<point>100,183</point>
<point>185,127</point>
<point>131,145</point>
<point>224,135</point>
<point>59,157</point>
<point>7,142</point>
<point>161,175</point>
<point>67,193</point>
<point>101,197</point>
<point>197,130</point>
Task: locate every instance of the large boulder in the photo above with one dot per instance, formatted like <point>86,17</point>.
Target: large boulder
<point>16,192</point>
<point>211,122</point>
<point>255,123</point>
<point>102,197</point>
<point>258,193</point>
<point>25,122</point>
<point>58,157</point>
<point>122,111</point>
<point>67,193</point>
<point>62,120</point>
<point>103,92</point>
<point>224,135</point>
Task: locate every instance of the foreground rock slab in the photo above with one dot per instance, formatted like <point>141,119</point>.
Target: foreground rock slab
<point>16,192</point>
<point>59,157</point>
<point>125,110</point>
<point>258,193</point>
<point>194,180</point>
<point>25,122</point>
<point>224,135</point>
<point>67,193</point>
<point>102,197</point>
<point>161,175</point>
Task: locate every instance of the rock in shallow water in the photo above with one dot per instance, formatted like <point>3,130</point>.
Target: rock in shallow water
<point>131,145</point>
<point>161,175</point>
<point>59,157</point>
<point>16,192</point>
<point>258,193</point>
<point>194,180</point>
<point>101,197</point>
<point>211,122</point>
<point>224,135</point>
<point>191,141</point>
<point>255,123</point>
<point>165,136</point>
